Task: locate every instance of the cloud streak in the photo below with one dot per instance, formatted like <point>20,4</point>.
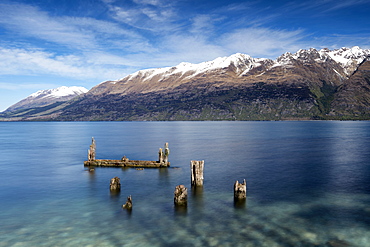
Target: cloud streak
<point>77,33</point>
<point>37,62</point>
<point>261,41</point>
<point>151,15</point>
<point>29,21</point>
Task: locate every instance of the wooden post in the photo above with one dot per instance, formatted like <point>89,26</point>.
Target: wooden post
<point>181,196</point>
<point>240,190</point>
<point>91,152</point>
<point>115,184</point>
<point>196,168</point>
<point>160,154</point>
<point>166,153</point>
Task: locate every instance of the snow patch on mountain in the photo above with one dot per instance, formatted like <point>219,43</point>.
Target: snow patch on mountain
<point>241,63</point>
<point>347,58</point>
<point>59,92</point>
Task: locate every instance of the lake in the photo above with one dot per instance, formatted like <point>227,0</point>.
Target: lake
<point>308,184</point>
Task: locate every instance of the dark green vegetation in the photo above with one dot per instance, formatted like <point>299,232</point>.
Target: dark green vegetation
<point>258,102</point>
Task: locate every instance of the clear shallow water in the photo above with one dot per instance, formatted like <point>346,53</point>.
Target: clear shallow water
<point>308,184</point>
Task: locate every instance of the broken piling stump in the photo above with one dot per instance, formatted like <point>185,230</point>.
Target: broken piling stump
<point>128,204</point>
<point>115,184</point>
<point>240,190</point>
<point>196,168</point>
<point>181,196</point>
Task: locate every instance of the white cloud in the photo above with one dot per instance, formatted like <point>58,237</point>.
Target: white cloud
<point>152,15</point>
<point>26,86</point>
<point>79,33</point>
<point>29,21</point>
<point>37,62</point>
<point>257,41</point>
<point>319,7</point>
<point>190,48</point>
<point>204,24</point>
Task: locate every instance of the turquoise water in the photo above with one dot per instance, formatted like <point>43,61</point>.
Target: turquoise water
<point>308,184</point>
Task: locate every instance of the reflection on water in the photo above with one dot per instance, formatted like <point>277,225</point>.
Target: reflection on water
<point>308,184</point>
<point>240,203</point>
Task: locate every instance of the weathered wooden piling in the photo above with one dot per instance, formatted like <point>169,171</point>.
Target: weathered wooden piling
<point>166,153</point>
<point>240,190</point>
<point>128,204</point>
<point>160,154</point>
<point>115,184</point>
<point>181,196</point>
<point>196,168</point>
<point>91,153</point>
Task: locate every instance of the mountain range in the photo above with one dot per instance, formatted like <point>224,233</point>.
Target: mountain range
<point>309,84</point>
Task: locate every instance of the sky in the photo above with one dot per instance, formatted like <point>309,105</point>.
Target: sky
<point>46,44</point>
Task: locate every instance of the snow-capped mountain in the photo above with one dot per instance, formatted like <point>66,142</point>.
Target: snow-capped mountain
<point>347,58</point>
<point>241,63</point>
<point>307,84</point>
<point>47,97</point>
<point>343,63</point>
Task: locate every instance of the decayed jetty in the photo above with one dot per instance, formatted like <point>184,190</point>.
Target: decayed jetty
<point>125,162</point>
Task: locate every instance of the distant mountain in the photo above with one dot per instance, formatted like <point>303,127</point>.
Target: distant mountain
<point>309,84</point>
<point>47,97</point>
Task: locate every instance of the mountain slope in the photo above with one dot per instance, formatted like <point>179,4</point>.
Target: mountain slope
<point>353,97</point>
<point>309,84</point>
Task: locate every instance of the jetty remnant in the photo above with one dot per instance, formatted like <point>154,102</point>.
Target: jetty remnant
<point>126,162</point>
<point>128,204</point>
<point>240,190</point>
<point>115,184</point>
<point>181,196</point>
<point>196,168</point>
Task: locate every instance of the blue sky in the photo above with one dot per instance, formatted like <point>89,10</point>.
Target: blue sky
<point>45,44</point>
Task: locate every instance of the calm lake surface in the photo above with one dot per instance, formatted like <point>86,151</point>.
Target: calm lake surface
<point>308,184</point>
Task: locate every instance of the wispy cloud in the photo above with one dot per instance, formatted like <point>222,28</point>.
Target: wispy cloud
<point>334,5</point>
<point>79,33</point>
<point>29,21</point>
<point>322,6</point>
<point>204,24</point>
<point>38,62</point>
<point>152,15</point>
<point>26,86</point>
<point>258,41</point>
